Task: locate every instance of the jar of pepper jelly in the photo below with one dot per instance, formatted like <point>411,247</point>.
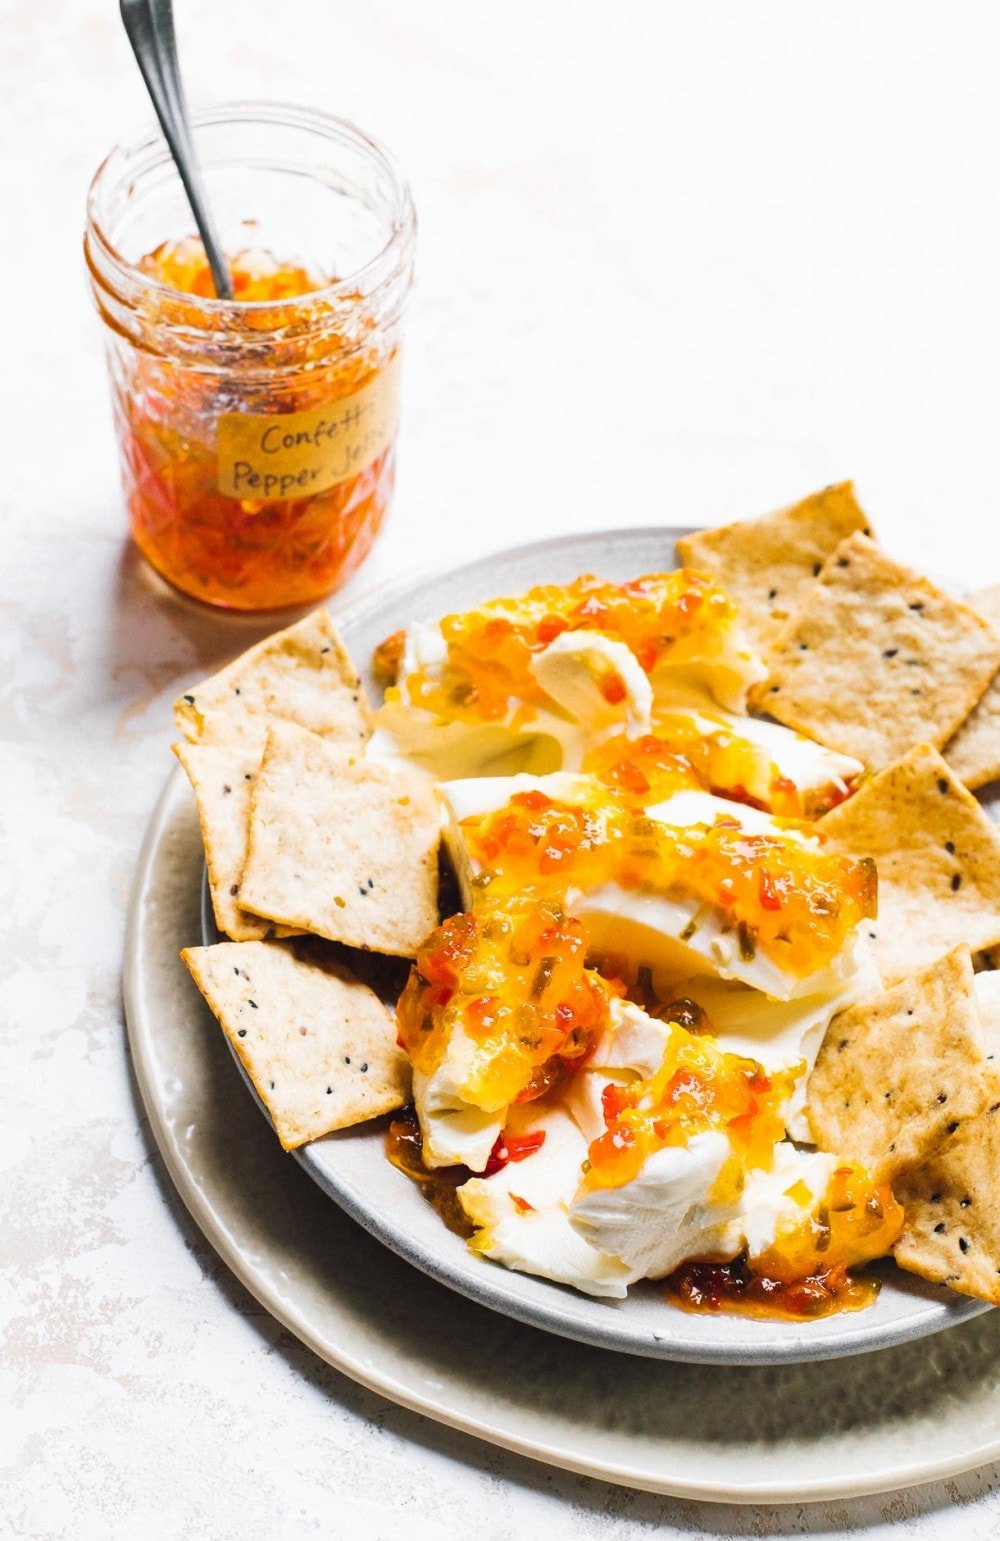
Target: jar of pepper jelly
<point>257,434</point>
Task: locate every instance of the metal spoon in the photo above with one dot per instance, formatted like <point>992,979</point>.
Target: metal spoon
<point>150,28</point>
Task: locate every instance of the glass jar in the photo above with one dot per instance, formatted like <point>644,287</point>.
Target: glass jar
<point>257,436</point>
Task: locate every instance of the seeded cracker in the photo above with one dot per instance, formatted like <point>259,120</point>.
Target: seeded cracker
<point>319,1046</point>
<point>952,1204</point>
<point>877,659</point>
<point>938,859</point>
<point>974,752</point>
<point>342,847</point>
<point>897,1075</point>
<point>766,565</point>
<point>952,1230</point>
<point>221,778</point>
<point>302,675</point>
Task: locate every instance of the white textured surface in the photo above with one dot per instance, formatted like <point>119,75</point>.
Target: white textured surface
<point>681,262</point>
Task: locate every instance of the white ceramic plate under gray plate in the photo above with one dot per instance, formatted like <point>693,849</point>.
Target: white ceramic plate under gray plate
<point>352,1168</point>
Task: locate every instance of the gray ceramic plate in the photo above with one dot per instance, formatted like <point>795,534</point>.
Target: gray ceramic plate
<point>352,1169</point>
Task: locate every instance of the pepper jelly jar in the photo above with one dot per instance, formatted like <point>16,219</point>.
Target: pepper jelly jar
<point>257,435</point>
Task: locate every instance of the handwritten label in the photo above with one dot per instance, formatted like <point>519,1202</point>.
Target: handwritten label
<point>267,457</point>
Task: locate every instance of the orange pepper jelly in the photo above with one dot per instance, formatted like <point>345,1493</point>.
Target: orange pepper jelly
<point>720,761</point>
<point>698,1087</point>
<point>795,900</point>
<point>514,983</point>
<point>258,452</point>
<point>806,1272</point>
<point>404,1146</point>
<point>489,650</point>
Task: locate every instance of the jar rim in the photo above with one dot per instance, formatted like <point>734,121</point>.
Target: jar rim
<point>150,149</point>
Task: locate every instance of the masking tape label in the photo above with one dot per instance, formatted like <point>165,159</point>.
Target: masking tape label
<point>268,457</point>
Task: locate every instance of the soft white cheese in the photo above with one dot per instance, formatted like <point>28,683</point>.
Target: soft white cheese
<point>673,934</point>
<point>455,1130</point>
<point>674,937</point>
<point>767,1206</point>
<point>634,1042</point>
<point>576,714</point>
<point>666,1213</point>
<point>582,1097</point>
<point>777,1033</point>
<point>571,670</point>
<point>717,667</point>
<point>690,806</point>
<point>554,737</point>
<point>424,648</point>
<point>478,796</point>
<point>540,1239</point>
<point>447,748</point>
<point>809,766</point>
<point>632,1047</point>
<point>539,1216</point>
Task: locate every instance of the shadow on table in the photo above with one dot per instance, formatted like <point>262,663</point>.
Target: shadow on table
<point>156,634</point>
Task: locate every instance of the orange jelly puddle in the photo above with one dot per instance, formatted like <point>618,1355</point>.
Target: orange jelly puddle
<point>797,903</point>
<point>740,1290</point>
<point>807,1272</point>
<point>439,1185</point>
<point>244,555</point>
<point>490,649</point>
<point>513,981</point>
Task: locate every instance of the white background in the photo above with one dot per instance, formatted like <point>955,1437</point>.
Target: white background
<point>678,262</point>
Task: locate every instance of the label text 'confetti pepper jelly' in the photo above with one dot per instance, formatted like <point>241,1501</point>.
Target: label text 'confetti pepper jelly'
<point>257,435</point>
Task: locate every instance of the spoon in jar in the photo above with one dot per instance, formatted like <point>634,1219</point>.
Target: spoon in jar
<point>150,28</point>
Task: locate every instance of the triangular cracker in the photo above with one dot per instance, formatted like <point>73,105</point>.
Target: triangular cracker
<point>221,778</point>
<point>303,674</point>
<point>938,859</point>
<point>974,752</point>
<point>877,659</point>
<point>342,846</point>
<point>319,1046</point>
<point>896,1075</point>
<point>952,1204</point>
<point>765,565</point>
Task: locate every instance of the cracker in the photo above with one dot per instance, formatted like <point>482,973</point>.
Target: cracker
<point>988,1000</point>
<point>952,1204</point>
<point>342,846</point>
<point>303,674</point>
<point>221,778</point>
<point>319,1046</point>
<point>974,752</point>
<point>938,859</point>
<point>766,565</point>
<point>877,659</point>
<point>896,1075</point>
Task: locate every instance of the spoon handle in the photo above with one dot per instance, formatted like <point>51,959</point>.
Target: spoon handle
<point>150,28</point>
